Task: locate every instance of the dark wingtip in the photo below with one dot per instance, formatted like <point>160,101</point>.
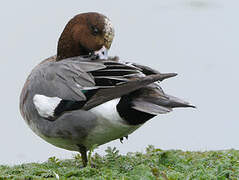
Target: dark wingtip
<point>167,75</point>
<point>181,105</point>
<point>190,106</point>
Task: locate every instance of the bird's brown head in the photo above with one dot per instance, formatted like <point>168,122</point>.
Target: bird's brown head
<point>85,34</point>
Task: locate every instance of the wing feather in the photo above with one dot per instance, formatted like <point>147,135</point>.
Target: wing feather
<point>71,78</point>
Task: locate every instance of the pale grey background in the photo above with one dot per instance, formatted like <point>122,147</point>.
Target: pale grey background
<point>196,38</point>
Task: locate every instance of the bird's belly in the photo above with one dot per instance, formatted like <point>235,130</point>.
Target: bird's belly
<point>109,126</point>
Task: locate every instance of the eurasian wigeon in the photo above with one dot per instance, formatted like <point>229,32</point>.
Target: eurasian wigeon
<point>81,97</point>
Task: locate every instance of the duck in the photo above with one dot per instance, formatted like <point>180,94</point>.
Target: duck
<point>81,97</point>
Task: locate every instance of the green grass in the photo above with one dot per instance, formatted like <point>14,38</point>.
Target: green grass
<point>154,164</point>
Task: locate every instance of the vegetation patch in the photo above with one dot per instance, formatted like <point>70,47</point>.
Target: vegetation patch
<point>154,164</point>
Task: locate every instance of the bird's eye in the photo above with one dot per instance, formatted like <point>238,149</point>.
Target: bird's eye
<point>94,30</point>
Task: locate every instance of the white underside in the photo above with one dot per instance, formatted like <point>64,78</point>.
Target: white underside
<point>110,125</point>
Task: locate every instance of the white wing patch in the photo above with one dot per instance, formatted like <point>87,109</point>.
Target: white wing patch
<point>45,106</point>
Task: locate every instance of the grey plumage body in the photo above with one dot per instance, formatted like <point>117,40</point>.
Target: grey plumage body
<point>68,79</point>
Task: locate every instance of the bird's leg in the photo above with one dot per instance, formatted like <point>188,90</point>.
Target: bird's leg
<point>83,152</point>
